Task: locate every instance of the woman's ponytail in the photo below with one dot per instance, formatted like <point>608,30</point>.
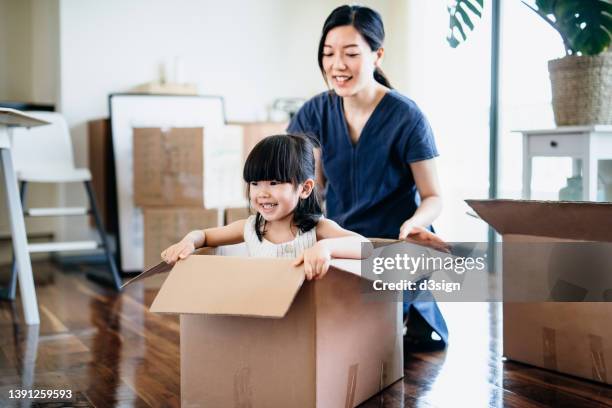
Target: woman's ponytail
<point>381,78</point>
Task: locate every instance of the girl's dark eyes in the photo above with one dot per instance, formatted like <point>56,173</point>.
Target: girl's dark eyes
<point>352,55</point>
<point>272,183</point>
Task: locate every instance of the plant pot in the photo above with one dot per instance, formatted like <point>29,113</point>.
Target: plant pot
<point>582,89</point>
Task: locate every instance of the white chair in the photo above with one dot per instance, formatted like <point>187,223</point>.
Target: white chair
<point>44,155</point>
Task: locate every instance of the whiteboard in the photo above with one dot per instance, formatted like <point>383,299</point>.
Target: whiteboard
<point>128,111</point>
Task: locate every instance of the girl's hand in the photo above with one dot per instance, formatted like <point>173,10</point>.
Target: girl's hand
<point>180,250</point>
<point>422,236</point>
<point>316,261</point>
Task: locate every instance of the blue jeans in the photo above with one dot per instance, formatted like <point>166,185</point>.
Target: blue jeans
<point>427,307</point>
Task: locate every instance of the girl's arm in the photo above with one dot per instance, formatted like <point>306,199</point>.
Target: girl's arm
<point>229,234</point>
<point>341,242</point>
<point>332,241</point>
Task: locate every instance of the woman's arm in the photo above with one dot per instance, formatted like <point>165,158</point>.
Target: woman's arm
<point>229,234</point>
<point>426,180</point>
<point>319,176</point>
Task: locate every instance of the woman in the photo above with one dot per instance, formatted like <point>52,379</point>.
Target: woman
<point>377,151</point>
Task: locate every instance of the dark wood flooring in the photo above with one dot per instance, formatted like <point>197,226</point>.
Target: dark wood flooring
<point>109,350</point>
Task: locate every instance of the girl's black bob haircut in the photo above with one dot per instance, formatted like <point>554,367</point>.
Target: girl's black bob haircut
<point>290,159</point>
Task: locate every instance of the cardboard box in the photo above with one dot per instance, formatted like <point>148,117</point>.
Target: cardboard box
<point>235,214</point>
<point>254,333</point>
<point>166,226</point>
<point>196,167</point>
<point>102,167</point>
<point>169,167</point>
<point>253,132</point>
<point>166,88</point>
<point>188,167</point>
<point>568,337</point>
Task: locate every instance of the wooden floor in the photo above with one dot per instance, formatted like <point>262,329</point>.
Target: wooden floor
<point>110,351</point>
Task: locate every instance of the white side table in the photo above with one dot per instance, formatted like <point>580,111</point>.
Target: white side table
<point>10,118</point>
<point>586,143</point>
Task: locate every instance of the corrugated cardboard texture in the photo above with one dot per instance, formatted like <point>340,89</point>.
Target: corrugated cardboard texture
<point>331,348</point>
<point>572,338</point>
<point>169,167</point>
<point>237,286</point>
<point>166,226</point>
<point>256,131</point>
<point>235,214</point>
<point>359,347</point>
<point>381,242</point>
<point>580,221</point>
<point>250,362</point>
<point>160,268</point>
<point>526,267</point>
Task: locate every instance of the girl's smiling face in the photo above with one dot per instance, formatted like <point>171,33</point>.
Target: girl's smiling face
<point>348,61</point>
<point>275,200</point>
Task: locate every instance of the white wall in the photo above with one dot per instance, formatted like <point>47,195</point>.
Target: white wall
<point>15,61</point>
<point>73,53</point>
<point>250,52</point>
<point>3,48</point>
<point>45,51</point>
<point>29,51</point>
<point>452,88</point>
<point>29,70</point>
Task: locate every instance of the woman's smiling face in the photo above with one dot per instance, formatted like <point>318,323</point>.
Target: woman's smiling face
<point>348,61</point>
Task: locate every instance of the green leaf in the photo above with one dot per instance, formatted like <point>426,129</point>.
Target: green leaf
<point>473,8</point>
<point>585,24</point>
<point>460,20</point>
<point>465,18</point>
<point>545,6</point>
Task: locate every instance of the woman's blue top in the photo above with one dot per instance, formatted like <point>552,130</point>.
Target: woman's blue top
<point>370,187</point>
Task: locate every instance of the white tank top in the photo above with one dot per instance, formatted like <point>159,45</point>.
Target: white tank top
<point>267,249</point>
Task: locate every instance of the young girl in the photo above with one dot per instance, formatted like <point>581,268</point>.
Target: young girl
<point>288,223</point>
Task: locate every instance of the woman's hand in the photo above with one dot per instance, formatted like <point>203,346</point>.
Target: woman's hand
<point>422,236</point>
<point>316,261</point>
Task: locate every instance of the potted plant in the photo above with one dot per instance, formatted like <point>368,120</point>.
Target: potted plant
<point>581,80</point>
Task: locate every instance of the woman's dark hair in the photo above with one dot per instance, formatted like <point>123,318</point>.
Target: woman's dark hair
<point>367,22</point>
<point>285,158</point>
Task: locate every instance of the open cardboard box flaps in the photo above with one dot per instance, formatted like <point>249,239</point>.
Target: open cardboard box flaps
<point>236,285</point>
<point>573,337</point>
<point>255,333</point>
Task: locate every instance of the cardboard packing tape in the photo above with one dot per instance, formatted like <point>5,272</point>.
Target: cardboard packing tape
<point>598,361</point>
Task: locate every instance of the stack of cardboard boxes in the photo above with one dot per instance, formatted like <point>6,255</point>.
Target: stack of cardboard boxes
<point>180,187</point>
